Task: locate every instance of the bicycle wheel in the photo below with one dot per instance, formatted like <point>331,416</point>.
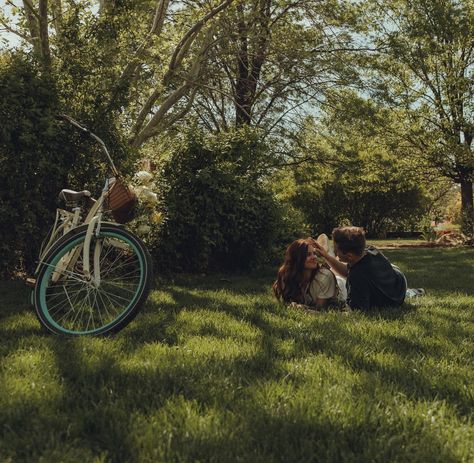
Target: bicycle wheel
<point>67,302</point>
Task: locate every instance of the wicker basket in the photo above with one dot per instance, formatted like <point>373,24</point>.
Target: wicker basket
<point>121,200</point>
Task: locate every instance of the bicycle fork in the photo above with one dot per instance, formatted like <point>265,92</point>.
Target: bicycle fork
<point>92,229</point>
<point>68,262</point>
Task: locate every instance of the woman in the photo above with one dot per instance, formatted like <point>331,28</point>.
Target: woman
<point>304,278</point>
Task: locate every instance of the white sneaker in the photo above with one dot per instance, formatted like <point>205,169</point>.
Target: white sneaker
<point>415,292</point>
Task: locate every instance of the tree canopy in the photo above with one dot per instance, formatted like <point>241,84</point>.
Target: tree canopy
<point>363,109</point>
<point>423,69</point>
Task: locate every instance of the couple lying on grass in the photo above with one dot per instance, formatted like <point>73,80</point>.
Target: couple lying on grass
<point>355,277</point>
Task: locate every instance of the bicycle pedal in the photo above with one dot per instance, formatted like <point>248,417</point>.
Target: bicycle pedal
<point>31,282</point>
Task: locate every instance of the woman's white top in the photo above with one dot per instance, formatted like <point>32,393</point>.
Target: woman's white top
<point>323,286</point>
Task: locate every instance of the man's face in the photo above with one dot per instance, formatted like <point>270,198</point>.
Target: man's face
<point>346,258</point>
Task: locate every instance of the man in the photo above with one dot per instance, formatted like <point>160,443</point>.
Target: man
<point>371,280</point>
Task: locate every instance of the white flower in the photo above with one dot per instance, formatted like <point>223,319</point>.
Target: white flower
<point>147,196</point>
<point>143,177</point>
<point>143,229</point>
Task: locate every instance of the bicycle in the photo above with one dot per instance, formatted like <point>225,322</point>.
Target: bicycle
<point>93,276</point>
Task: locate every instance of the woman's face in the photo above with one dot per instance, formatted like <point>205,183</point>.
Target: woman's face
<point>311,259</point>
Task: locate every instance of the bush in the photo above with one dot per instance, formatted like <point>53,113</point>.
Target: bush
<point>32,162</point>
<point>379,205</point>
<point>38,157</point>
<point>218,214</point>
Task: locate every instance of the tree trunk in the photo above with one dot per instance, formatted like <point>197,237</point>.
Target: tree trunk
<point>467,208</point>
<point>44,35</point>
<point>249,64</point>
<point>242,90</point>
<point>33,27</point>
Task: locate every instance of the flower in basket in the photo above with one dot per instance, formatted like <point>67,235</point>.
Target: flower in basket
<point>146,195</point>
<point>156,218</point>
<point>143,229</point>
<point>143,177</point>
<point>147,216</point>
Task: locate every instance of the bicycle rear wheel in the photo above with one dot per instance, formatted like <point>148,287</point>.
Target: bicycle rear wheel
<point>67,302</point>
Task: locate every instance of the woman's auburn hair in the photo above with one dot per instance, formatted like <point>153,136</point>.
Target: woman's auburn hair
<point>287,286</point>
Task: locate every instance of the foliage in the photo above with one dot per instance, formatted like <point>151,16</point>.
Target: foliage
<point>379,206</point>
<point>218,213</point>
<point>39,157</point>
<point>423,66</point>
<point>351,174</point>
<point>131,69</point>
<point>33,161</point>
<point>141,60</point>
<point>273,60</point>
<point>452,210</point>
<point>215,370</point>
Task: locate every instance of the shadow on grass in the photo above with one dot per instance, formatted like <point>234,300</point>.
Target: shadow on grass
<point>406,373</point>
<point>15,298</point>
<point>392,313</point>
<point>332,337</point>
<point>292,436</point>
<point>437,270</point>
<point>104,383</point>
<point>100,397</point>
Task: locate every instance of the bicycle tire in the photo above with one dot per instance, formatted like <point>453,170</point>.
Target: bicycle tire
<point>108,307</point>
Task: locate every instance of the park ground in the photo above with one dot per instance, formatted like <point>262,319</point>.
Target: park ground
<point>214,369</point>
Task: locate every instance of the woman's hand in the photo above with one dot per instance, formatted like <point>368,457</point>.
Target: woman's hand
<point>307,308</point>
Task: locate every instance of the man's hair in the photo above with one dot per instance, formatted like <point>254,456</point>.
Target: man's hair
<point>349,239</point>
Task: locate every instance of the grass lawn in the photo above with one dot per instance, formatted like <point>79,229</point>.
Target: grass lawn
<point>396,241</point>
<point>214,370</point>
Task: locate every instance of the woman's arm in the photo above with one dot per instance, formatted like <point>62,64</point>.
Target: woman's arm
<point>320,303</point>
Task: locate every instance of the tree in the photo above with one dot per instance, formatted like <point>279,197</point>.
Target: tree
<point>424,69</point>
<point>273,61</point>
<point>121,58</point>
<point>351,174</point>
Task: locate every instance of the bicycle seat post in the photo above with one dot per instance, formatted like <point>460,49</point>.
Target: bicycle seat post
<point>77,215</point>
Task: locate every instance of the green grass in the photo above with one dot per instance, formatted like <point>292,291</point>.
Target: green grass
<point>397,241</point>
<point>214,370</point>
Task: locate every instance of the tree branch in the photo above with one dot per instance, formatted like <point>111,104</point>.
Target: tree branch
<point>188,39</point>
<point>156,121</point>
<point>19,34</point>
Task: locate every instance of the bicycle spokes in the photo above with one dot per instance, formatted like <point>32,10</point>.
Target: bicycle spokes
<point>76,302</point>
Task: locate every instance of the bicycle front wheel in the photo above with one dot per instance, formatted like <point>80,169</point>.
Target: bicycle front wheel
<point>69,302</point>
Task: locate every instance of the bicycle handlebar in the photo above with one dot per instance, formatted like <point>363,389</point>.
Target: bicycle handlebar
<point>65,117</point>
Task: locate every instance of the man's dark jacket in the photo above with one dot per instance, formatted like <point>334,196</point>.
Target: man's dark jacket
<point>374,282</point>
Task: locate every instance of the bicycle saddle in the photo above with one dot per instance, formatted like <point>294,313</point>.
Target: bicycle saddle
<point>70,196</point>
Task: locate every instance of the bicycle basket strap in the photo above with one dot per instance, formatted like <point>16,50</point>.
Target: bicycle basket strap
<point>121,200</point>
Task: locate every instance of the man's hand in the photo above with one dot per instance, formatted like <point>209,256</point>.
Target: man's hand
<point>321,250</point>
<point>336,265</point>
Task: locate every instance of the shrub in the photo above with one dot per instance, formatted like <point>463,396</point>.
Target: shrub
<point>379,204</point>
<point>39,157</point>
<point>32,161</point>
<point>219,216</point>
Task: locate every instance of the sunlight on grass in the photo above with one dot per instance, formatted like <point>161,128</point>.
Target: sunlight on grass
<point>216,370</point>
